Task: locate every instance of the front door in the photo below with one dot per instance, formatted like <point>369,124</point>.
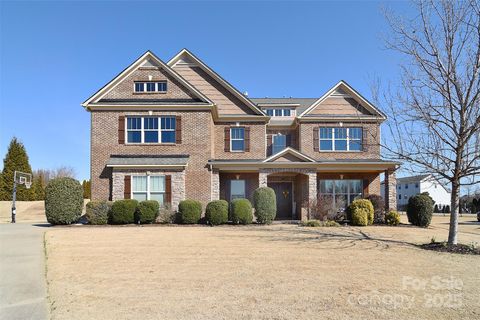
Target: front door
<point>283,192</point>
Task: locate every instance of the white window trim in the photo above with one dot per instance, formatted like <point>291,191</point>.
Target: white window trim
<point>292,112</point>
<point>333,140</point>
<point>142,130</point>
<point>273,141</point>
<point>148,185</point>
<point>349,194</point>
<point>145,86</point>
<point>231,139</point>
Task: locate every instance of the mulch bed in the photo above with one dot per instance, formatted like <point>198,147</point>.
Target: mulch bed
<point>445,247</point>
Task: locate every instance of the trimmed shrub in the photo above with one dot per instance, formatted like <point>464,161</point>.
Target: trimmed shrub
<point>361,204</point>
<point>311,223</point>
<point>216,212</point>
<point>420,210</point>
<point>97,212</point>
<point>123,211</point>
<point>166,215</point>
<point>265,204</point>
<point>241,211</point>
<point>147,211</point>
<point>189,211</point>
<point>392,218</point>
<point>63,201</point>
<point>360,217</point>
<point>378,208</point>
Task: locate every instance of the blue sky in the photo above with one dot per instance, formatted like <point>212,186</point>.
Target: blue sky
<point>54,55</point>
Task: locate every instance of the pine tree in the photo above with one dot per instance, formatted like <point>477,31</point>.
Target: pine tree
<point>86,189</point>
<point>15,160</point>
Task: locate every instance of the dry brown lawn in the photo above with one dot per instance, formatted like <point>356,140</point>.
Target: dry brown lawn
<point>27,211</point>
<point>255,272</point>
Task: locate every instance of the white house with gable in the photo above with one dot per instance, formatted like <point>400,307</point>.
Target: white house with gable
<point>410,186</point>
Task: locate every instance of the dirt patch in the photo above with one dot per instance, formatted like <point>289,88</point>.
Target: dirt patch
<point>273,272</point>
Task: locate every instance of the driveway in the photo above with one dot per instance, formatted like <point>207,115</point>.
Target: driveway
<point>23,293</point>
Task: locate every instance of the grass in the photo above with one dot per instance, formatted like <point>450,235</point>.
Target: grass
<point>258,272</point>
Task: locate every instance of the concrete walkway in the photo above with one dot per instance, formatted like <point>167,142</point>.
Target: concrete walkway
<point>23,290</point>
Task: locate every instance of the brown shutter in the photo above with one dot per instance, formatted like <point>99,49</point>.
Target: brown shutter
<point>269,144</point>
<point>365,139</point>
<point>127,187</point>
<point>315,139</point>
<point>121,130</point>
<point>178,130</point>
<point>168,189</point>
<point>366,182</point>
<point>227,139</point>
<point>247,139</point>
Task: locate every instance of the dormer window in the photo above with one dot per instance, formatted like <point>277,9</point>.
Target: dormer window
<point>151,86</point>
<point>280,112</point>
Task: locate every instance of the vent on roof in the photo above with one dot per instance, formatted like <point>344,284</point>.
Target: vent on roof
<point>245,93</point>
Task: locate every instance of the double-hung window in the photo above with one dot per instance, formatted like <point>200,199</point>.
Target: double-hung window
<point>341,192</point>
<point>237,189</point>
<point>151,86</point>
<point>279,112</point>
<point>279,143</point>
<point>151,129</point>
<point>148,188</point>
<point>237,139</point>
<point>340,139</point>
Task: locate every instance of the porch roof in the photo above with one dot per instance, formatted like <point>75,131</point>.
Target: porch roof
<point>328,165</point>
<point>148,161</point>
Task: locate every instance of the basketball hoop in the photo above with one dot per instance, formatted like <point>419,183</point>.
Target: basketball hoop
<point>19,178</point>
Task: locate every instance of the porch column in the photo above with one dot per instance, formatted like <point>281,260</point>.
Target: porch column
<point>390,190</point>
<point>262,179</point>
<point>215,189</point>
<point>312,191</point>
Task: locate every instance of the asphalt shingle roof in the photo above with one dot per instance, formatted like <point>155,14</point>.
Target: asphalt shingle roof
<point>155,160</point>
<point>304,103</point>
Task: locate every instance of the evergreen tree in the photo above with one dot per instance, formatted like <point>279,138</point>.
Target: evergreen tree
<point>86,189</point>
<point>15,160</point>
<point>38,187</point>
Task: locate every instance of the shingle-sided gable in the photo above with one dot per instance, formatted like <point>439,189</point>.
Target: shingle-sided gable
<point>229,101</point>
<point>342,100</point>
<point>147,68</point>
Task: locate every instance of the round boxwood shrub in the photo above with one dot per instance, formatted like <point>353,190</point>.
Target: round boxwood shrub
<point>123,211</point>
<point>97,212</point>
<point>147,211</point>
<point>361,204</point>
<point>392,218</point>
<point>216,212</point>
<point>189,211</point>
<point>63,201</point>
<point>265,204</point>
<point>360,217</point>
<point>420,210</point>
<point>241,211</point>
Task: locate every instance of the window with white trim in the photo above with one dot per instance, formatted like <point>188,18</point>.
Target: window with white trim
<point>279,143</point>
<point>148,130</point>
<point>280,112</point>
<point>341,191</point>
<point>151,86</point>
<point>340,139</point>
<point>237,139</point>
<point>237,189</point>
<point>148,188</point>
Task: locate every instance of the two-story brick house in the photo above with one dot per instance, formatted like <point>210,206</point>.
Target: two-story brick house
<point>177,130</point>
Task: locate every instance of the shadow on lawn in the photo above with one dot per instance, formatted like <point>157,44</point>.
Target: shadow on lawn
<point>323,238</point>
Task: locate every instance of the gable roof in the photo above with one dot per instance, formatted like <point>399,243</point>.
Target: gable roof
<point>148,55</point>
<point>291,151</point>
<point>344,86</point>
<point>192,59</point>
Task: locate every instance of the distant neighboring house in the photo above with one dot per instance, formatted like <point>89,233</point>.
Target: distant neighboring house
<point>408,187</point>
<point>178,130</point>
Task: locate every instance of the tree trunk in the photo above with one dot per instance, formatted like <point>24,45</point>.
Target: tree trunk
<point>454,204</point>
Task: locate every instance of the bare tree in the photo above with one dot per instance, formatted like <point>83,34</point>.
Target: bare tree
<point>435,113</point>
